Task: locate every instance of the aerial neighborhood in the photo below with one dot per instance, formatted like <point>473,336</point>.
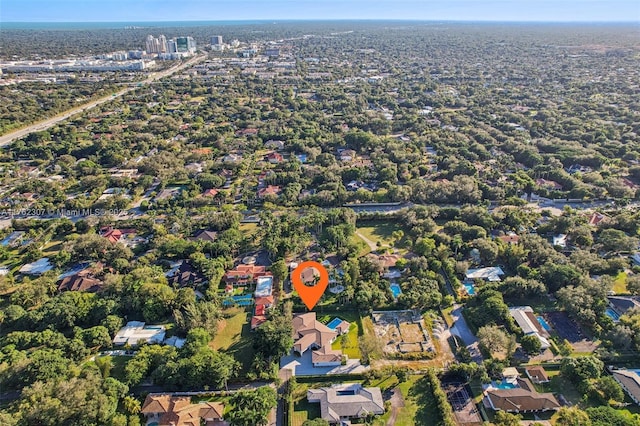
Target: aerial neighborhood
<point>471,192</point>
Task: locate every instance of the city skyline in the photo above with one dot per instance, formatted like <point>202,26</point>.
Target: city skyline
<point>225,10</point>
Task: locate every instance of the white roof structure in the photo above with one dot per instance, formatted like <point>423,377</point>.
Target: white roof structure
<point>529,324</point>
<point>560,240</point>
<point>38,267</point>
<point>136,331</point>
<point>343,401</point>
<point>492,273</point>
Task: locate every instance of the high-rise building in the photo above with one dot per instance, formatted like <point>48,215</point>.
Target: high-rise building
<point>216,40</point>
<point>185,44</point>
<point>156,45</point>
<point>162,41</point>
<point>172,47</point>
<point>150,44</point>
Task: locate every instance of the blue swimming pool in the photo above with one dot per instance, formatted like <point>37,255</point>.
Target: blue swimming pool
<point>504,385</point>
<point>395,290</point>
<point>544,323</point>
<point>334,323</point>
<point>612,314</point>
<point>244,300</point>
<point>471,290</point>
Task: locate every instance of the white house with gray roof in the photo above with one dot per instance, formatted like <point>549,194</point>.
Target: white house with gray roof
<point>347,401</point>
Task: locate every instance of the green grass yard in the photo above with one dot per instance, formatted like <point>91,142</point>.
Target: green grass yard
<point>620,283</point>
<point>419,407</point>
<point>380,232</point>
<point>234,337</point>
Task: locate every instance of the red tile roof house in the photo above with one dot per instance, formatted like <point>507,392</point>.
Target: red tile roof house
<point>274,158</point>
<point>245,274</point>
<point>260,312</point>
<point>115,235</point>
<point>210,192</point>
<point>168,410</point>
<point>269,190</point>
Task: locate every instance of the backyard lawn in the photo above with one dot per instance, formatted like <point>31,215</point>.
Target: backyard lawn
<point>620,283</point>
<point>379,232</point>
<point>234,337</point>
<point>419,407</point>
<point>350,344</point>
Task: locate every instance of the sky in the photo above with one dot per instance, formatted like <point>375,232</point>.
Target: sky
<point>225,10</point>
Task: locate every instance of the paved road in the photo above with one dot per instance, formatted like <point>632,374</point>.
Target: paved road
<point>462,330</point>
<point>45,124</point>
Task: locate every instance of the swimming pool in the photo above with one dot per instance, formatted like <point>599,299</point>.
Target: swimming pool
<point>544,323</point>
<point>334,323</point>
<point>395,290</point>
<point>244,300</point>
<point>504,385</point>
<point>612,314</point>
<point>471,290</point>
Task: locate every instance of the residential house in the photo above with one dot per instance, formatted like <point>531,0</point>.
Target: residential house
<point>168,410</point>
<point>117,235</point>
<point>244,274</point>
<point>630,382</point>
<point>260,311</point>
<point>204,235</point>
<point>38,267</point>
<point>491,274</point>
<point>187,276</point>
<point>596,218</point>
<point>537,374</point>
<point>529,324</point>
<point>384,261</point>
<point>621,304</point>
<point>211,192</point>
<point>522,399</point>
<point>271,190</point>
<point>274,144</point>
<point>343,402</point>
<point>549,184</point>
<point>347,155</point>
<point>311,334</point>
<point>83,280</point>
<point>510,238</point>
<point>274,158</point>
<point>136,331</point>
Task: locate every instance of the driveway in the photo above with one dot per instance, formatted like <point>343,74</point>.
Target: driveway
<point>302,366</point>
<point>462,330</point>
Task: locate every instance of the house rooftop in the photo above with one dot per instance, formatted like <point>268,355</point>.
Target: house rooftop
<point>136,331</point>
<point>346,400</point>
<point>492,273</point>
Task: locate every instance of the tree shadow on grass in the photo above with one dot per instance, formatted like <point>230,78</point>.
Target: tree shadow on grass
<point>427,413</point>
<point>242,350</point>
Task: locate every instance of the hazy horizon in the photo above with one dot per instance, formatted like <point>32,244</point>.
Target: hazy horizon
<point>116,11</point>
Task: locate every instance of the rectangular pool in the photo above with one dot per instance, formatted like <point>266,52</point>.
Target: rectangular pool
<point>504,385</point>
<point>544,323</point>
<point>395,290</point>
<point>334,323</point>
<point>612,314</point>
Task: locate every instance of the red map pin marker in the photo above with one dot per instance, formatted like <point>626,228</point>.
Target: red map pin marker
<point>309,292</point>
